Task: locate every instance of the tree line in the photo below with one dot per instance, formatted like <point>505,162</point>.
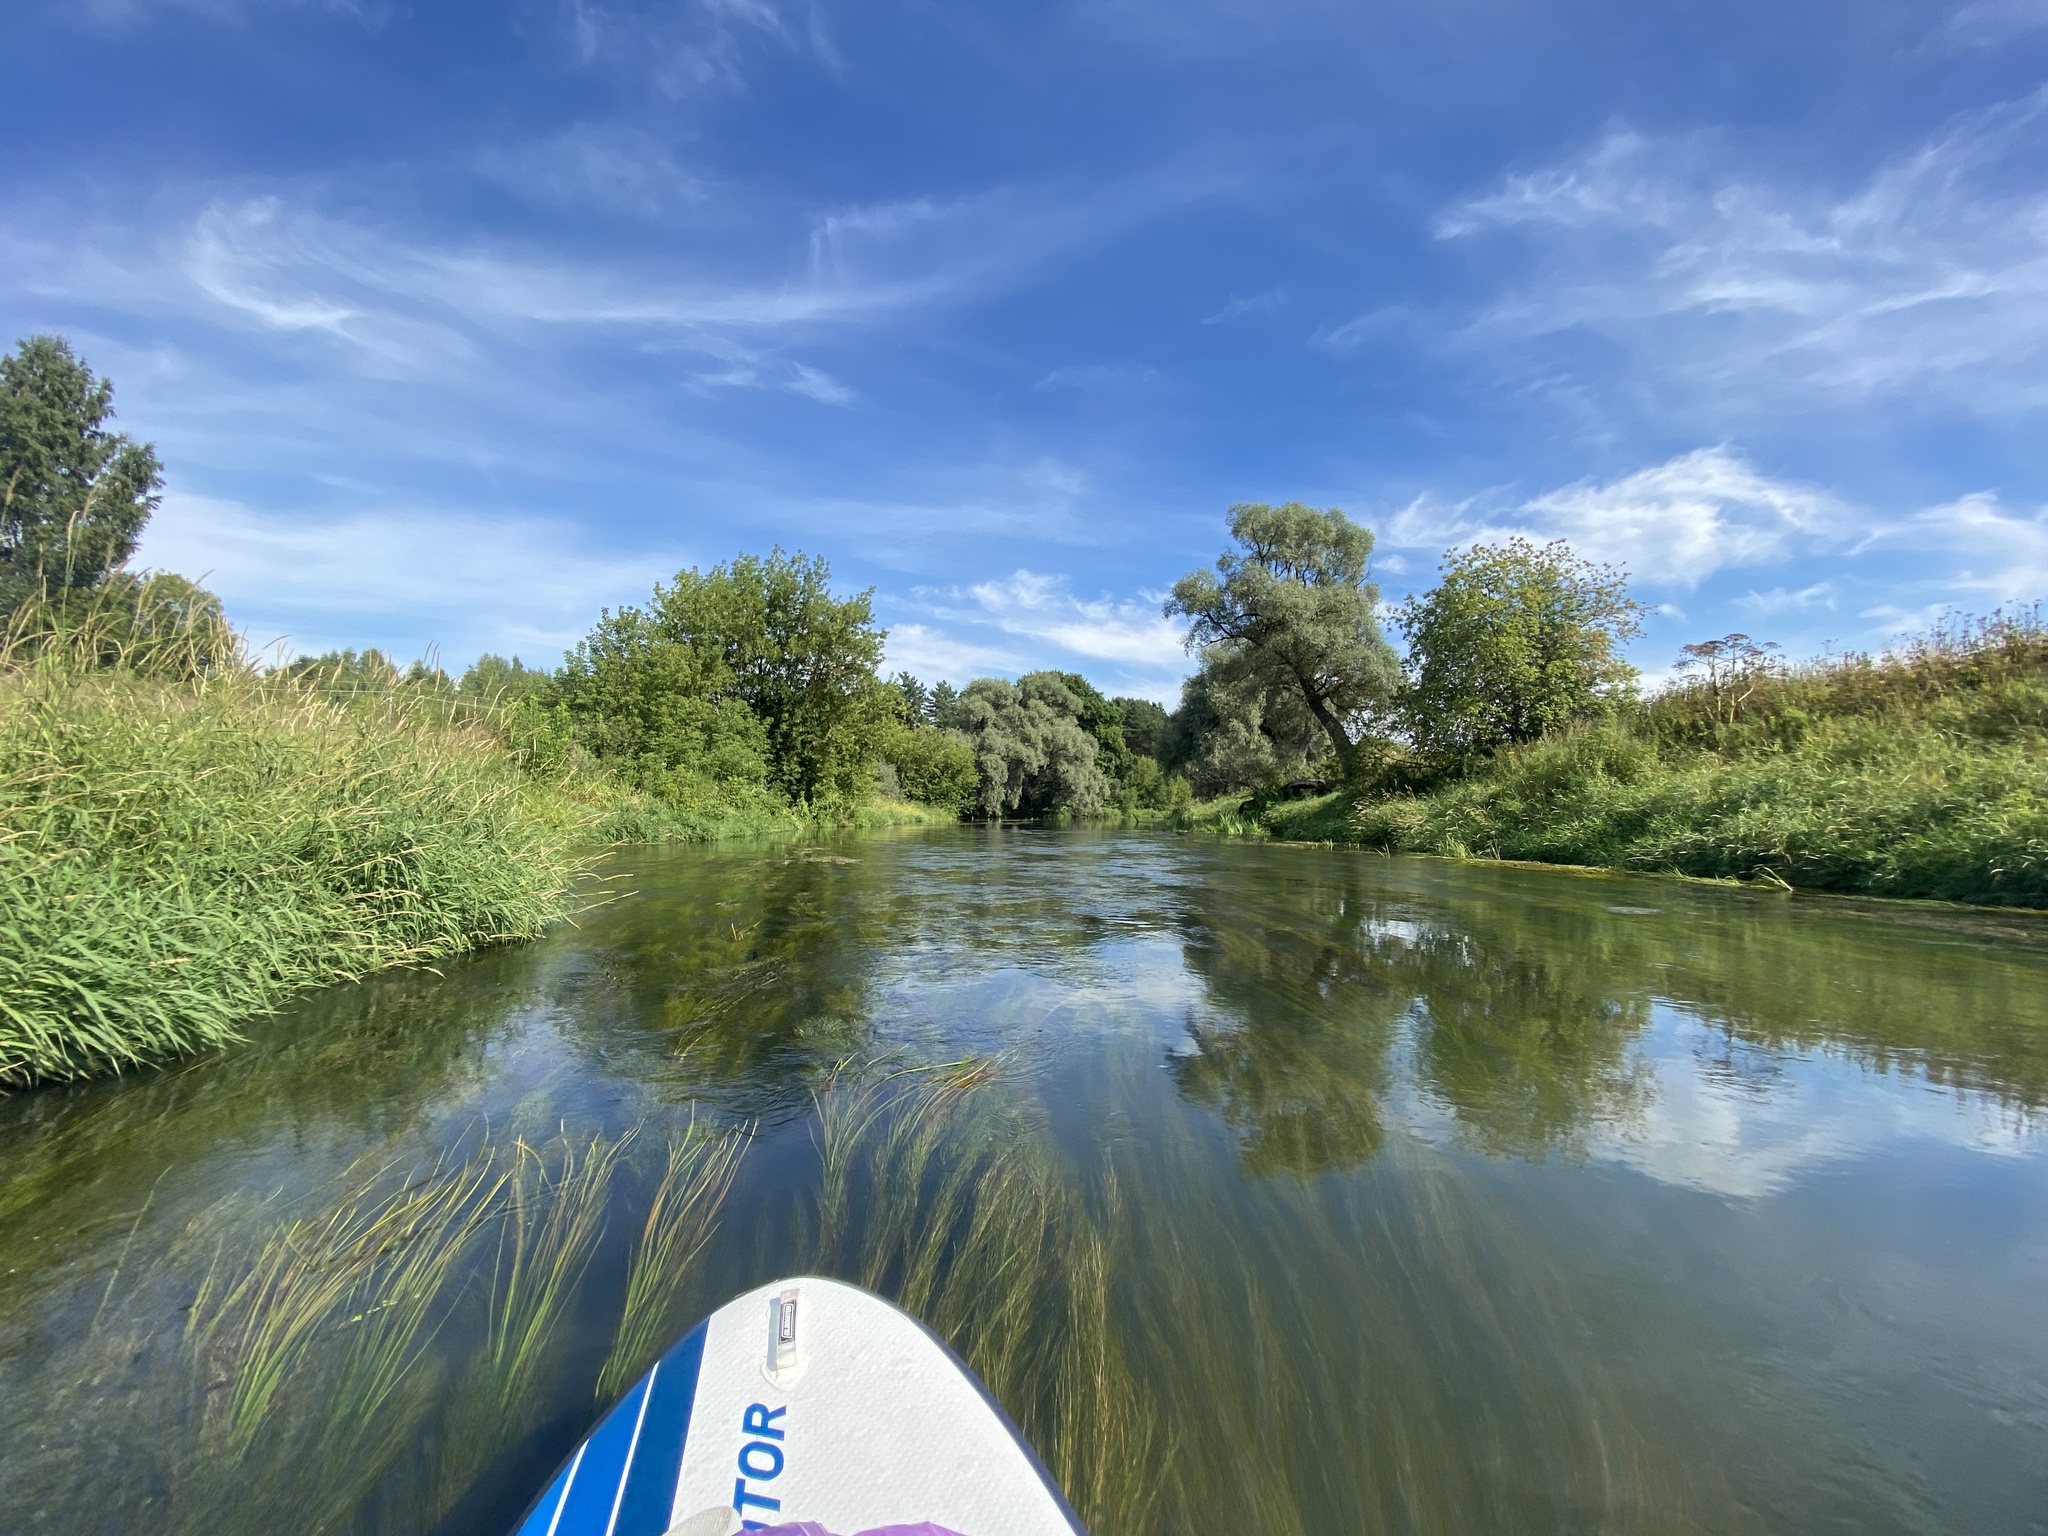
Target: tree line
<point>753,685</point>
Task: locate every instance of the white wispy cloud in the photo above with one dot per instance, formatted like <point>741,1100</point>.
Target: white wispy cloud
<point>405,578</point>
<point>1031,620</point>
<point>1991,553</point>
<point>1780,600</point>
<point>1674,524</point>
<point>1130,630</point>
<point>685,47</point>
<point>120,14</point>
<point>1265,303</point>
<point>1101,378</point>
<point>1986,23</point>
<point>932,654</point>
<point>1931,277</point>
<point>597,168</point>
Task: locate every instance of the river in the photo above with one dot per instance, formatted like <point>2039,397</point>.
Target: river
<point>1273,1189</point>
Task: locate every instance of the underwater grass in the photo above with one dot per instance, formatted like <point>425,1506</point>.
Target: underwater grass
<point>183,849</point>
<point>681,1219</point>
<point>390,1347</point>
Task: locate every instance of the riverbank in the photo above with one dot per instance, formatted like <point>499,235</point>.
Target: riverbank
<point>178,857</point>
<point>1922,773</point>
<point>184,846</point>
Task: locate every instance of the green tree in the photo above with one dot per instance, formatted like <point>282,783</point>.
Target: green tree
<point>914,700</point>
<point>1144,724</point>
<point>1516,640</point>
<point>1295,604</point>
<point>73,495</point>
<point>1239,727</point>
<point>800,659</point>
<point>662,711</point>
<point>1033,752</point>
<point>494,680</point>
<point>933,767</point>
<point>1103,720</point>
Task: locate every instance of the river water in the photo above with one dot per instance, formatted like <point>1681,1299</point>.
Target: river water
<point>1273,1189</point>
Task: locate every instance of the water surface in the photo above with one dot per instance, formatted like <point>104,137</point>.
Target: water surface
<point>1274,1189</point>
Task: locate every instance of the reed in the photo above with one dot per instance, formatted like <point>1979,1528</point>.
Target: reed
<point>185,843</point>
<point>315,1366</point>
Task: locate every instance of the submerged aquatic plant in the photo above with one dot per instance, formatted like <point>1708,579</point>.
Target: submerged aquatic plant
<point>681,1218</point>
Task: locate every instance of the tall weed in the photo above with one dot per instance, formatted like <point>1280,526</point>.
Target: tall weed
<point>186,843</point>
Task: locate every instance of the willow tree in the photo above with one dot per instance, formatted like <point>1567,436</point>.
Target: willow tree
<point>73,494</point>
<point>1293,605</point>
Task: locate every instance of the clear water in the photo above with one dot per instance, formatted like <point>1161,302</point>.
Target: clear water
<point>1415,1196</point>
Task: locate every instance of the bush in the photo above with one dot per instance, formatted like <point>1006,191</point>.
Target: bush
<point>932,766</point>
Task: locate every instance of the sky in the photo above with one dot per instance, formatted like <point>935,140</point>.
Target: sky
<point>455,323</point>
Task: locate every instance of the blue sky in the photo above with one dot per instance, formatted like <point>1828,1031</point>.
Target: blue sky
<point>455,322</point>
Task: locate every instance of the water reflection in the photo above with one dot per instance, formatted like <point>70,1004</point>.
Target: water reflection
<point>1292,1191</point>
<point>1523,1024</point>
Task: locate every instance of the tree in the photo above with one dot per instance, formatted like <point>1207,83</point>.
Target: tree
<point>662,711</point>
<point>932,767</point>
<point>1144,724</point>
<point>915,699</point>
<point>945,707</point>
<point>1033,752</point>
<point>800,659</point>
<point>1516,640</point>
<point>1239,727</point>
<point>73,495</point>
<point>494,680</point>
<point>1296,605</point>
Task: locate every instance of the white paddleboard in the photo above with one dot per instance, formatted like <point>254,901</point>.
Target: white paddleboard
<point>804,1401</point>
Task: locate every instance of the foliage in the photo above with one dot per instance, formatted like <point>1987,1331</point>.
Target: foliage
<point>494,680</point>
<point>913,703</point>
<point>1144,724</point>
<point>1517,640</point>
<point>1238,728</point>
<point>661,713</point>
<point>1032,746</point>
<point>769,635</point>
<point>1148,787</point>
<point>931,766</point>
<point>73,495</point>
<point>366,674</point>
<point>1294,608</point>
<point>155,623</point>
<point>1921,773</point>
<point>179,854</point>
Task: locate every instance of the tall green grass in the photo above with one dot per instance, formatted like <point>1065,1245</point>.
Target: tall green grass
<point>1921,772</point>
<point>184,843</point>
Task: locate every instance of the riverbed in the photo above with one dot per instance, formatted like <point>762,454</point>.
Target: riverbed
<point>1274,1190</point>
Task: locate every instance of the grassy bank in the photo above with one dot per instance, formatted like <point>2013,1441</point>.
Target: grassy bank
<point>186,842</point>
<point>1920,773</point>
<point>178,856</point>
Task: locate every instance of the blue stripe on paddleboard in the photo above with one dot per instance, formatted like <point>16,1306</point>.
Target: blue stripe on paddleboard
<point>540,1520</point>
<point>587,1503</point>
<point>650,1490</point>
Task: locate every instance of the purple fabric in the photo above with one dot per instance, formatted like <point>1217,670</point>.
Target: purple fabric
<point>812,1528</point>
